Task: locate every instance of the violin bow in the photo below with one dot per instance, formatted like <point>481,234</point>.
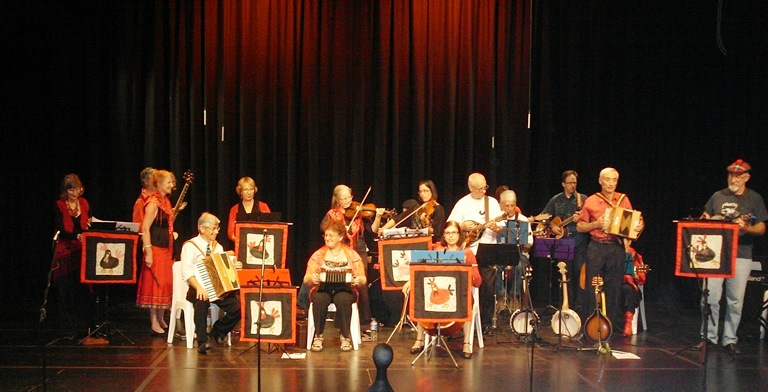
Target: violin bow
<point>362,202</point>
<point>411,214</point>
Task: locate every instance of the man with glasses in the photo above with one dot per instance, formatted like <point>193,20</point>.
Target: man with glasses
<point>565,205</point>
<point>742,205</point>
<point>193,251</point>
<point>475,213</point>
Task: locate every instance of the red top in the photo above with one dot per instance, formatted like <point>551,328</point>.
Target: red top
<point>469,258</point>
<point>594,208</point>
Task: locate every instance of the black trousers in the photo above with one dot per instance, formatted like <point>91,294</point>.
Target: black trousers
<point>487,290</point>
<point>343,300</point>
<point>607,259</point>
<point>230,304</point>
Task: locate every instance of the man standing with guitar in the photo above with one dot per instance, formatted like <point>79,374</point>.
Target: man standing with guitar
<point>480,217</point>
<point>564,208</point>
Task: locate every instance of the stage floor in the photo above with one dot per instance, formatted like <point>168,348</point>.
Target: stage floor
<point>61,364</point>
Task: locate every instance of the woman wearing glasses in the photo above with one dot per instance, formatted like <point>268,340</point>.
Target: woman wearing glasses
<point>430,215</point>
<point>452,240</point>
<point>333,256</point>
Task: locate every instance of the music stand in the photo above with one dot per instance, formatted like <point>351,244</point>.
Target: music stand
<point>713,257</point>
<point>553,249</point>
<point>493,255</point>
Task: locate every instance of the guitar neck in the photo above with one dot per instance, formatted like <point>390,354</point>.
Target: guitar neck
<point>180,200</point>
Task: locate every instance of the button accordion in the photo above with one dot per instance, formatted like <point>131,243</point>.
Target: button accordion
<point>217,274</point>
<point>334,280</point>
<point>623,222</point>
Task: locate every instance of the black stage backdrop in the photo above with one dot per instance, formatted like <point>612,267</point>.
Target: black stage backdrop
<point>305,95</point>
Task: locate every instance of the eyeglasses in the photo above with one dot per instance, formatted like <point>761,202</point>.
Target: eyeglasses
<point>571,183</point>
<point>214,229</point>
<point>481,189</point>
<point>248,190</point>
<point>343,199</point>
<point>331,236</point>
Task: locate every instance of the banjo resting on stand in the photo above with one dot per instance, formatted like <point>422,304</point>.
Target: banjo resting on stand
<point>565,321</point>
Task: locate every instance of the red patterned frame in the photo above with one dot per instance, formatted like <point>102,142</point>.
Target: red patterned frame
<point>463,275</point>
<point>279,231</point>
<point>388,283</point>
<point>286,296</point>
<point>728,231</point>
<point>96,245</point>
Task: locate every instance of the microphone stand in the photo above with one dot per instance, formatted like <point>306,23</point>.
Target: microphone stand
<point>43,313</point>
<point>261,306</point>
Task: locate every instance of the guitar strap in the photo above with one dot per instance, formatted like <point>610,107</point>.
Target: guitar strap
<point>602,196</point>
<point>578,200</point>
<point>486,210</point>
<point>213,246</point>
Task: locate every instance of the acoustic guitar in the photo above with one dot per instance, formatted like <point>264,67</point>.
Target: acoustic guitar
<point>565,321</point>
<point>598,327</point>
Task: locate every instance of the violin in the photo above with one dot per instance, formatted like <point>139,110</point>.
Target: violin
<point>367,211</point>
<point>429,208</point>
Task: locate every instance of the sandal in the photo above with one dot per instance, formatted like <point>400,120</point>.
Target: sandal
<point>467,353</point>
<point>317,343</point>
<point>346,344</point>
<point>418,345</point>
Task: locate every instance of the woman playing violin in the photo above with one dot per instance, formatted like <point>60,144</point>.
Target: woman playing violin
<point>451,240</point>
<point>430,215</point>
<point>355,226</point>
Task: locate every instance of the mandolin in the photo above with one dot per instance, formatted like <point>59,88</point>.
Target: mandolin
<point>473,235</point>
<point>598,327</point>
<point>565,321</point>
<point>188,178</point>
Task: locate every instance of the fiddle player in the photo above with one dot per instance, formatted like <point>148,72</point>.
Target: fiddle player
<point>475,211</point>
<point>343,211</point>
<point>565,205</point>
<point>451,240</point>
<point>430,215</point>
<point>606,252</point>
<point>734,203</point>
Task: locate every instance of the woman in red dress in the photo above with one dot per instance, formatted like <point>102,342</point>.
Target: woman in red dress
<point>156,281</point>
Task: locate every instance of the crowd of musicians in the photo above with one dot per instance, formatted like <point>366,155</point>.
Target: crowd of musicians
<point>602,271</point>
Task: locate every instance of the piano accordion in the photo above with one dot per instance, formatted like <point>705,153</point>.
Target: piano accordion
<point>623,222</point>
<point>217,274</point>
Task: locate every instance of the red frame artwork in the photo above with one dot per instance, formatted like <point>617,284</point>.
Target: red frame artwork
<point>108,257</point>
<point>279,303</point>
<point>706,249</point>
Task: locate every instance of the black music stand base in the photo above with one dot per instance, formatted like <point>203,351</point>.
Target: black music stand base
<point>107,326</point>
<point>404,319</point>
<point>434,343</point>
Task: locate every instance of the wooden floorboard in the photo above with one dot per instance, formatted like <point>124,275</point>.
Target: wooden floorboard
<point>35,359</point>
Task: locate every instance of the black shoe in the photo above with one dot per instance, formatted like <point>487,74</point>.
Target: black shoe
<point>221,341</point>
<point>204,348</point>
<point>488,331</point>
<point>733,349</point>
<point>155,334</point>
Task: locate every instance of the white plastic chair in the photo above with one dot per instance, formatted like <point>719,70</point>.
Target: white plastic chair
<point>640,309</point>
<point>354,325</point>
<point>180,304</point>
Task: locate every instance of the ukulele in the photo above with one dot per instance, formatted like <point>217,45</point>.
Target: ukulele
<point>598,327</point>
<point>565,321</point>
<point>188,178</point>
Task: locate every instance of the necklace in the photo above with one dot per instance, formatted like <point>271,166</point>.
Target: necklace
<point>73,211</point>
<point>335,256</point>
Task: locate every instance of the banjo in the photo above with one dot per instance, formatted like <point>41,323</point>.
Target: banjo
<point>565,321</point>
